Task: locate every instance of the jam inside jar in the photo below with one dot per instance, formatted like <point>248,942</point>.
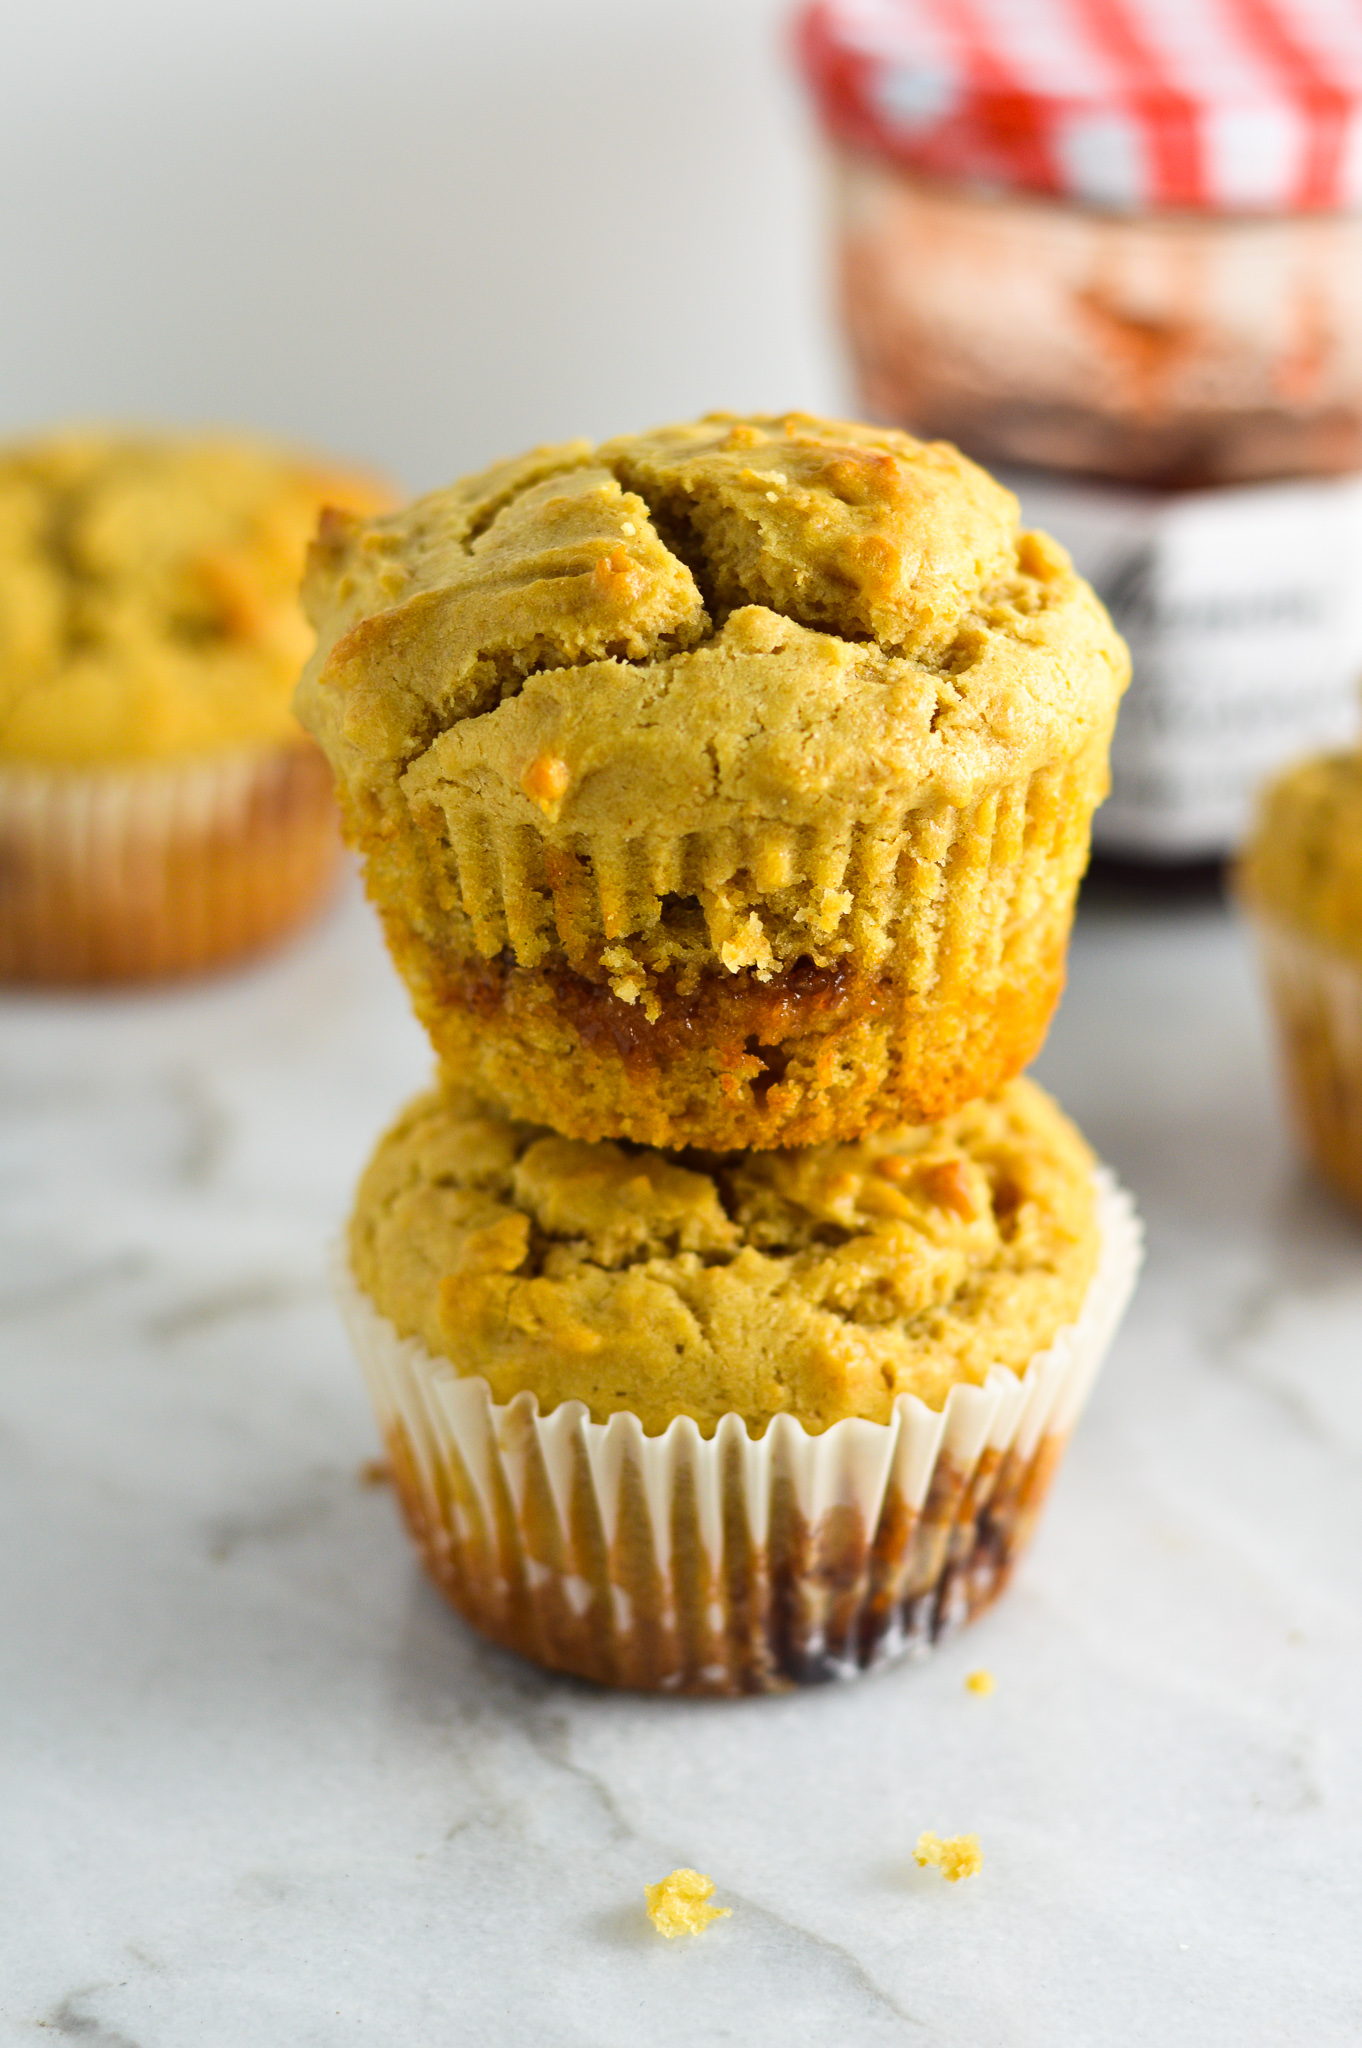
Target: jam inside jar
<point>1122,265</point>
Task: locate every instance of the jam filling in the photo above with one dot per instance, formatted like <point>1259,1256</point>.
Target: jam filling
<point>735,1012</point>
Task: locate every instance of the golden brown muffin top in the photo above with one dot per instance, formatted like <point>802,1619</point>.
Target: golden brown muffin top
<point>149,593</point>
<point>1303,862</point>
<point>789,623</point>
<point>821,1283</point>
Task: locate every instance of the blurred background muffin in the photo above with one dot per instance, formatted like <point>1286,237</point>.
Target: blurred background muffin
<point>160,810</point>
<point>1301,879</point>
<point>725,785</point>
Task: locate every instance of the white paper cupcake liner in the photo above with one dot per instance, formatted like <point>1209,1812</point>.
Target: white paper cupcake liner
<point>983,872</point>
<point>154,868</point>
<point>1317,999</point>
<point>730,1564</point>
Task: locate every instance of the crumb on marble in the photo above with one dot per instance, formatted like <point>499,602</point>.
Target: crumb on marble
<point>980,1681</point>
<point>956,1857</point>
<point>679,1904</point>
<point>375,1472</point>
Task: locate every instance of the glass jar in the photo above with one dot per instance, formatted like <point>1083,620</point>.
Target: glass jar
<point>1125,270</point>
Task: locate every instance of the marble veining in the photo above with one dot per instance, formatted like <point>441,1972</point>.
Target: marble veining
<point>258,1786</point>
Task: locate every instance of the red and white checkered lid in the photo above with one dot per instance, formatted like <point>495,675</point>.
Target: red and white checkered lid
<point>1229,106</point>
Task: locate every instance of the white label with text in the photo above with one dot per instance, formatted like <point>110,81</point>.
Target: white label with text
<point>1242,608</point>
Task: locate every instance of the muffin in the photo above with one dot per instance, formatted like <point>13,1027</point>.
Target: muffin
<point>727,785</point>
<point>160,808</point>
<point>1301,879</point>
<point>726,1421</point>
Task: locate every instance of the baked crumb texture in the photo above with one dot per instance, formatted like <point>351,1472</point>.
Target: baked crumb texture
<point>679,1904</point>
<point>727,785</point>
<point>149,594</point>
<point>820,1283</point>
<point>980,1682</point>
<point>955,1856</point>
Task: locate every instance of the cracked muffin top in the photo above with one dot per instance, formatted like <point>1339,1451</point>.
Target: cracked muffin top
<point>1303,862</point>
<point>149,594</point>
<point>749,639</point>
<point>821,1283</point>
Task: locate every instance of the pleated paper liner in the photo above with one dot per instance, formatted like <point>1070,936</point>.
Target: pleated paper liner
<point>935,891</point>
<point>1316,995</point>
<point>680,1563</point>
<point>969,913</point>
<point>133,873</point>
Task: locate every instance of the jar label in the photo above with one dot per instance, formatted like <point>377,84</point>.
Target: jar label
<point>1242,608</point>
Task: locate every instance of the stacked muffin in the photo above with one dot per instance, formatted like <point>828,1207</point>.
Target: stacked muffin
<point>724,792</point>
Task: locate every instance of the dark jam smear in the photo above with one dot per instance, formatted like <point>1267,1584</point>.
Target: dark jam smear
<point>735,1012</point>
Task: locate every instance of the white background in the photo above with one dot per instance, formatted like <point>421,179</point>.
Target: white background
<point>424,232</point>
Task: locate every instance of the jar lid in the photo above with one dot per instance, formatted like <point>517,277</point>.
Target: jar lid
<point>1226,106</point>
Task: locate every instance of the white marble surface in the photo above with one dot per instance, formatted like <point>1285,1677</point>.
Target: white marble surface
<point>260,1787</point>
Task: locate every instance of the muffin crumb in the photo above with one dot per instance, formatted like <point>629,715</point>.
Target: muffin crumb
<point>981,1682</point>
<point>956,1857</point>
<point>679,1904</point>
